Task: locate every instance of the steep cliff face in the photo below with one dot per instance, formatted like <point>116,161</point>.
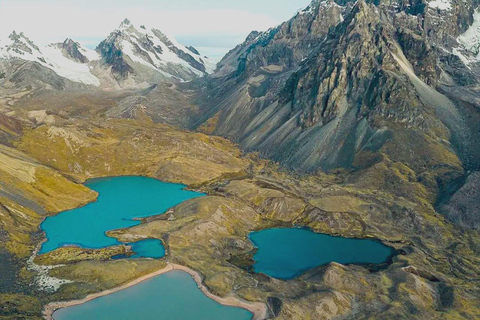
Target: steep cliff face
<point>255,71</point>
<point>381,85</point>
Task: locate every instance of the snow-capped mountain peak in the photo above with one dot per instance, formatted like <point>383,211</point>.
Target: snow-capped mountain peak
<point>135,50</point>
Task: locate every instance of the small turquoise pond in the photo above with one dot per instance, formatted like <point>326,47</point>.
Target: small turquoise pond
<point>149,248</point>
<point>120,200</point>
<point>170,296</point>
<point>287,253</point>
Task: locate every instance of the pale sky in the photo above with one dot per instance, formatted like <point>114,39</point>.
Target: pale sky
<point>212,26</point>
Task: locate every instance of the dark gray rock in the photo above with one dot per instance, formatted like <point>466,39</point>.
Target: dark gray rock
<point>463,208</point>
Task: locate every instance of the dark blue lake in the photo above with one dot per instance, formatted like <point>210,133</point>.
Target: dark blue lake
<point>120,200</point>
<point>170,296</point>
<point>287,253</point>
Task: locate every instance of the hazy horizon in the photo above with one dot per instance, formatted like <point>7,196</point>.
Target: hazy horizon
<point>212,26</point>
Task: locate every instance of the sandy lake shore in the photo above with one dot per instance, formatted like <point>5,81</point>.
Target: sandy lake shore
<point>258,309</point>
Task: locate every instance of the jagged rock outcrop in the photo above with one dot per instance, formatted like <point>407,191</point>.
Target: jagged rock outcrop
<point>75,51</point>
<point>463,208</point>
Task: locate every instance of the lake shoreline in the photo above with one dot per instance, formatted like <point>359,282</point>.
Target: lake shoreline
<point>258,309</point>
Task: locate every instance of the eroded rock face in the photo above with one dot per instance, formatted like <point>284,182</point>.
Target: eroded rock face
<point>113,56</point>
<point>28,76</point>
<point>21,43</point>
<point>463,208</point>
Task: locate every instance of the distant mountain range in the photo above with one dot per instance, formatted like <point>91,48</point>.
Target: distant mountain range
<point>130,56</point>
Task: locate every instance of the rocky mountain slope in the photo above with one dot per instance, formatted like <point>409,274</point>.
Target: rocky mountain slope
<point>293,85</point>
<point>370,84</point>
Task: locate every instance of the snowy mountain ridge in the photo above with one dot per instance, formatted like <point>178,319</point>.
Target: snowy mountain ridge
<point>19,46</point>
<point>130,54</point>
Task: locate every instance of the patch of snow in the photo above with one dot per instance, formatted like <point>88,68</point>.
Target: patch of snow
<point>441,4</point>
<point>168,56</point>
<point>466,61</point>
<point>302,10</point>
<point>305,10</point>
<point>91,55</point>
<point>64,67</point>
<point>317,3</point>
<point>209,65</point>
<point>470,40</point>
<point>127,49</point>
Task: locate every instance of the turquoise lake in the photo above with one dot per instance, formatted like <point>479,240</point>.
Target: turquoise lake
<point>287,253</point>
<point>120,200</point>
<point>170,296</point>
